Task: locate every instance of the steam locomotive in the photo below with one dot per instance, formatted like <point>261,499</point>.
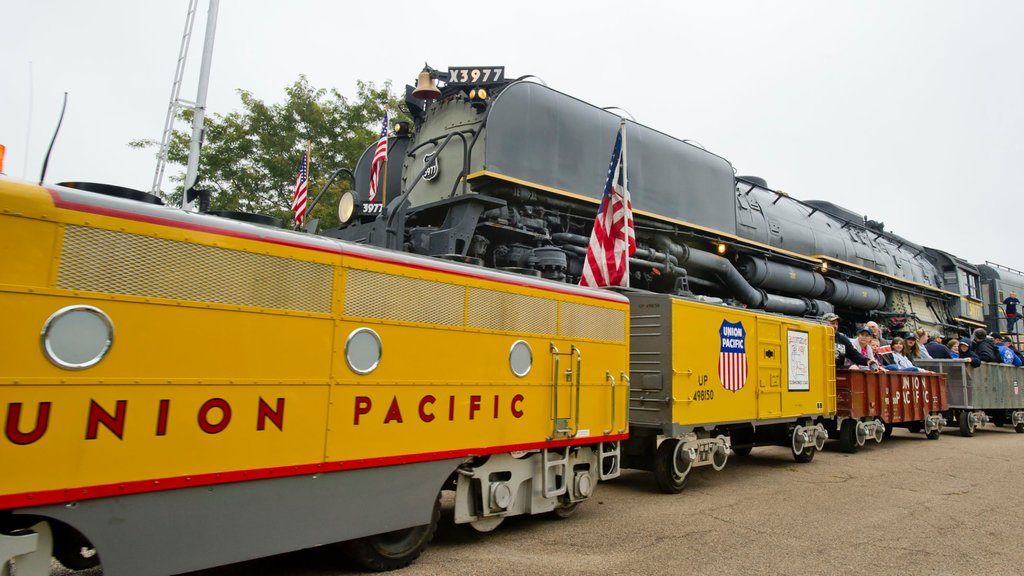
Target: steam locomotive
<point>508,173</point>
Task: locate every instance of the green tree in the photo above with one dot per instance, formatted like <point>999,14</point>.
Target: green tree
<point>250,157</point>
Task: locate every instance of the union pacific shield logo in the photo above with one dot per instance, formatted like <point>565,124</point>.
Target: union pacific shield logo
<point>732,361</point>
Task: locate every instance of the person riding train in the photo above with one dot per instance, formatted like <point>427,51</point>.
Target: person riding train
<point>847,355</point>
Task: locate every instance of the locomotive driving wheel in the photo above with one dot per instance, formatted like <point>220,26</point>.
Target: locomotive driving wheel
<point>671,465</point>
<point>397,549</point>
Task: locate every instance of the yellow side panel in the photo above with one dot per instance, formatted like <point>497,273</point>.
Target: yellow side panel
<point>26,247</point>
<point>442,390</point>
<point>752,381</point>
<point>64,455</point>
<point>169,343</point>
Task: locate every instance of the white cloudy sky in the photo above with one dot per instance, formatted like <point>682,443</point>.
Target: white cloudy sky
<point>907,111</point>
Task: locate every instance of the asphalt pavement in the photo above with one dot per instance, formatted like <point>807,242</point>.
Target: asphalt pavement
<point>907,506</point>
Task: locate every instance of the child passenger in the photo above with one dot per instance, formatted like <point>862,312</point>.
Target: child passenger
<point>900,361</point>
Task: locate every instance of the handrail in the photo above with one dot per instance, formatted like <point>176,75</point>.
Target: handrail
<point>624,378</point>
<point>309,210</point>
<point>579,362</point>
<point>398,208</point>
<point>608,376</point>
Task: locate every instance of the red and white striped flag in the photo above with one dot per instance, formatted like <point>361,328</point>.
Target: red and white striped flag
<point>613,240</point>
<point>299,195</point>
<point>380,156</point>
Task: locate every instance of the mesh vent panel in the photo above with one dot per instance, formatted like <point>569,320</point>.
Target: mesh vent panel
<point>388,297</point>
<point>493,310</point>
<point>581,321</point>
<point>98,260</point>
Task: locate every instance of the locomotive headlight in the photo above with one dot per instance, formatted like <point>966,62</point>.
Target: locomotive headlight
<point>481,94</point>
<point>472,94</point>
<point>824,266</point>
<point>347,206</point>
<point>721,247</point>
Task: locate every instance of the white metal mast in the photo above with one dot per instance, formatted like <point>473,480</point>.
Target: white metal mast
<point>200,107</point>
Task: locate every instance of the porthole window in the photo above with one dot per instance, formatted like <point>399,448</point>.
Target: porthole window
<point>77,337</point>
<point>363,350</point>
<point>520,358</point>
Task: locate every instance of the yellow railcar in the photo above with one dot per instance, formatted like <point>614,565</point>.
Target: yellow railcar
<point>707,378</point>
<point>178,382</point>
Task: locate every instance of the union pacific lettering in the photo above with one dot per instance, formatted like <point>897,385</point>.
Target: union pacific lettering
<point>912,391</point>
<point>212,417</point>
<point>429,407</point>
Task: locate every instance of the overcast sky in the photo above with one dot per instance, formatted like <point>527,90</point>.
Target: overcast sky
<point>908,112</point>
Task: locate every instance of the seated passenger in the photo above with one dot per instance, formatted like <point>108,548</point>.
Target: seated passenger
<point>954,348</point>
<point>1006,355</point>
<point>967,355</point>
<point>900,362</point>
<point>984,348</point>
<point>863,344</point>
<point>1013,348</point>
<point>912,350</point>
<point>921,338</point>
<point>846,353</point>
<point>935,348</point>
<point>876,331</point>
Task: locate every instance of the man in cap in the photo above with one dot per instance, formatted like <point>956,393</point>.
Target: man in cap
<point>935,348</point>
<point>983,347</point>
<point>846,352</point>
<point>967,355</point>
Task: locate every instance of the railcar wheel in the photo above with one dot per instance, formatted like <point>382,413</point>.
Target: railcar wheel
<point>802,446</point>
<point>671,465</point>
<point>967,426</point>
<point>565,509</point>
<point>888,431</point>
<point>394,550</point>
<point>742,450</point>
<point>1019,428</point>
<point>848,436</point>
<point>806,455</point>
<point>933,434</point>
<point>487,524</point>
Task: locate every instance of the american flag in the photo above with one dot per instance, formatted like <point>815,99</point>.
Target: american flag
<point>613,240</point>
<point>299,196</point>
<point>380,156</point>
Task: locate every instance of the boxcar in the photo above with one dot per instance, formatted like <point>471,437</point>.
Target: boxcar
<point>708,378</point>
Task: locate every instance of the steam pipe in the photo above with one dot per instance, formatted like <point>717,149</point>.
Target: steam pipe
<point>664,268</point>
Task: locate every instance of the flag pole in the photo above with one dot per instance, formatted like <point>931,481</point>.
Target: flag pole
<point>625,188</point>
<point>309,173</point>
<point>384,166</point>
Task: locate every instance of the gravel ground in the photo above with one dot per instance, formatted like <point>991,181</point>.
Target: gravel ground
<point>908,506</point>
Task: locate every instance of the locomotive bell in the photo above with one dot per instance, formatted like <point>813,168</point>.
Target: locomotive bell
<point>425,88</point>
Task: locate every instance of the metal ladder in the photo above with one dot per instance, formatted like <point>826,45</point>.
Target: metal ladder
<point>176,102</point>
